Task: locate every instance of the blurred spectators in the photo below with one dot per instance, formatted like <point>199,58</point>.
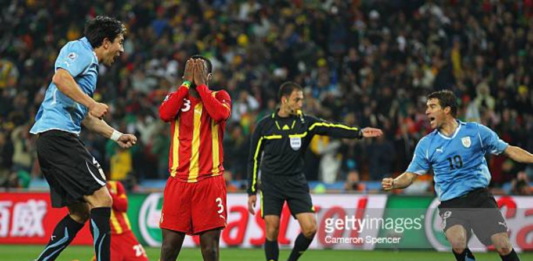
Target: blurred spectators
<point>520,185</point>
<point>353,183</point>
<point>374,60</point>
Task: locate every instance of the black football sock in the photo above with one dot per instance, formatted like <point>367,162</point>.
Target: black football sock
<point>101,230</point>
<point>510,257</point>
<point>301,244</point>
<point>271,250</point>
<point>64,232</point>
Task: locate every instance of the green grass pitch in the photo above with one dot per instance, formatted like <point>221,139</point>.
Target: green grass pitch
<point>28,253</point>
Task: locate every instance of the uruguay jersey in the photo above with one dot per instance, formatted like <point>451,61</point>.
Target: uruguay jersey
<point>458,161</point>
<point>59,112</point>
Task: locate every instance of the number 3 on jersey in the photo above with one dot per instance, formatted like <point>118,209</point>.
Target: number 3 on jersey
<point>186,105</point>
<point>220,206</point>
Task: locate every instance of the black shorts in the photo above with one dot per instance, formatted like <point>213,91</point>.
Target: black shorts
<point>68,167</point>
<point>275,190</point>
<point>476,211</point>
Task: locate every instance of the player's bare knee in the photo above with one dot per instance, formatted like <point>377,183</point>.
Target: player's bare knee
<point>210,252</point>
<point>168,251</point>
<point>458,243</point>
<point>272,233</point>
<point>309,232</point>
<point>272,229</point>
<point>502,243</point>
<point>79,212</point>
<point>459,250</point>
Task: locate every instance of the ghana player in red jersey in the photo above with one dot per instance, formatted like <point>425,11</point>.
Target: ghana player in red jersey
<point>124,245</point>
<point>194,201</point>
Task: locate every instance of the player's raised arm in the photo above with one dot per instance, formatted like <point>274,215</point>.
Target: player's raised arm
<point>493,144</point>
<point>518,154</point>
<point>68,86</point>
<point>217,104</point>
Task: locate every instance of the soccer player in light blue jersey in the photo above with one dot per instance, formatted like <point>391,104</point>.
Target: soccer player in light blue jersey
<point>76,179</point>
<point>456,151</point>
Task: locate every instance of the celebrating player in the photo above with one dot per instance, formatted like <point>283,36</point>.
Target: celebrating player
<point>456,151</point>
<point>75,177</point>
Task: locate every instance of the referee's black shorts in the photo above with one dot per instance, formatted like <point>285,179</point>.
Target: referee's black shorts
<point>476,211</point>
<point>68,167</point>
<point>275,190</point>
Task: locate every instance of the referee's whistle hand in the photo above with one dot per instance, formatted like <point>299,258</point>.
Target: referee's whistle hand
<point>371,132</point>
<point>252,199</point>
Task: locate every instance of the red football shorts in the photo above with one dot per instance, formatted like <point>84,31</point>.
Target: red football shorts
<point>125,247</point>
<point>193,208</point>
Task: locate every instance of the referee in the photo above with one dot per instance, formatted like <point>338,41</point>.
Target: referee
<point>278,148</point>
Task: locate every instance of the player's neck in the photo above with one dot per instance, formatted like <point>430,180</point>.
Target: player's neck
<point>449,127</point>
<point>283,113</point>
<point>99,52</point>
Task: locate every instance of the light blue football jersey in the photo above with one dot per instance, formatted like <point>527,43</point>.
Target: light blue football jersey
<point>59,112</point>
<point>458,161</point>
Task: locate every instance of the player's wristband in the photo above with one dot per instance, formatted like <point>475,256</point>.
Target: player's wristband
<point>116,135</point>
<point>187,84</point>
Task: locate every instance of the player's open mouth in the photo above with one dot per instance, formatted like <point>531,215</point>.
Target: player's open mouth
<point>431,119</point>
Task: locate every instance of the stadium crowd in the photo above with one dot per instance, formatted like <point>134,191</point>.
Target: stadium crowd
<point>364,63</point>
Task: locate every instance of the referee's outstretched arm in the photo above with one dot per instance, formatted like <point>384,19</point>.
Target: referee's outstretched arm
<point>336,130</point>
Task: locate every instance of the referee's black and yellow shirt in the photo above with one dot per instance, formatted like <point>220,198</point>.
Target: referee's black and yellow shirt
<point>279,144</point>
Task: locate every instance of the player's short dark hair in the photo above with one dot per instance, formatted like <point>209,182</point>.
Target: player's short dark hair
<point>209,65</point>
<point>287,88</point>
<point>102,27</point>
<point>446,99</point>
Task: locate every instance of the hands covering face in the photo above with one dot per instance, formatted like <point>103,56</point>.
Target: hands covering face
<point>196,72</point>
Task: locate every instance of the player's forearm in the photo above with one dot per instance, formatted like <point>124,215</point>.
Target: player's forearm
<point>171,106</point>
<point>519,155</point>
<point>404,180</point>
<point>98,126</point>
<point>217,110</point>
<point>68,86</point>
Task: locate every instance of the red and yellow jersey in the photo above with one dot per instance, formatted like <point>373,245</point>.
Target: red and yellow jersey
<point>119,219</point>
<point>197,131</point>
